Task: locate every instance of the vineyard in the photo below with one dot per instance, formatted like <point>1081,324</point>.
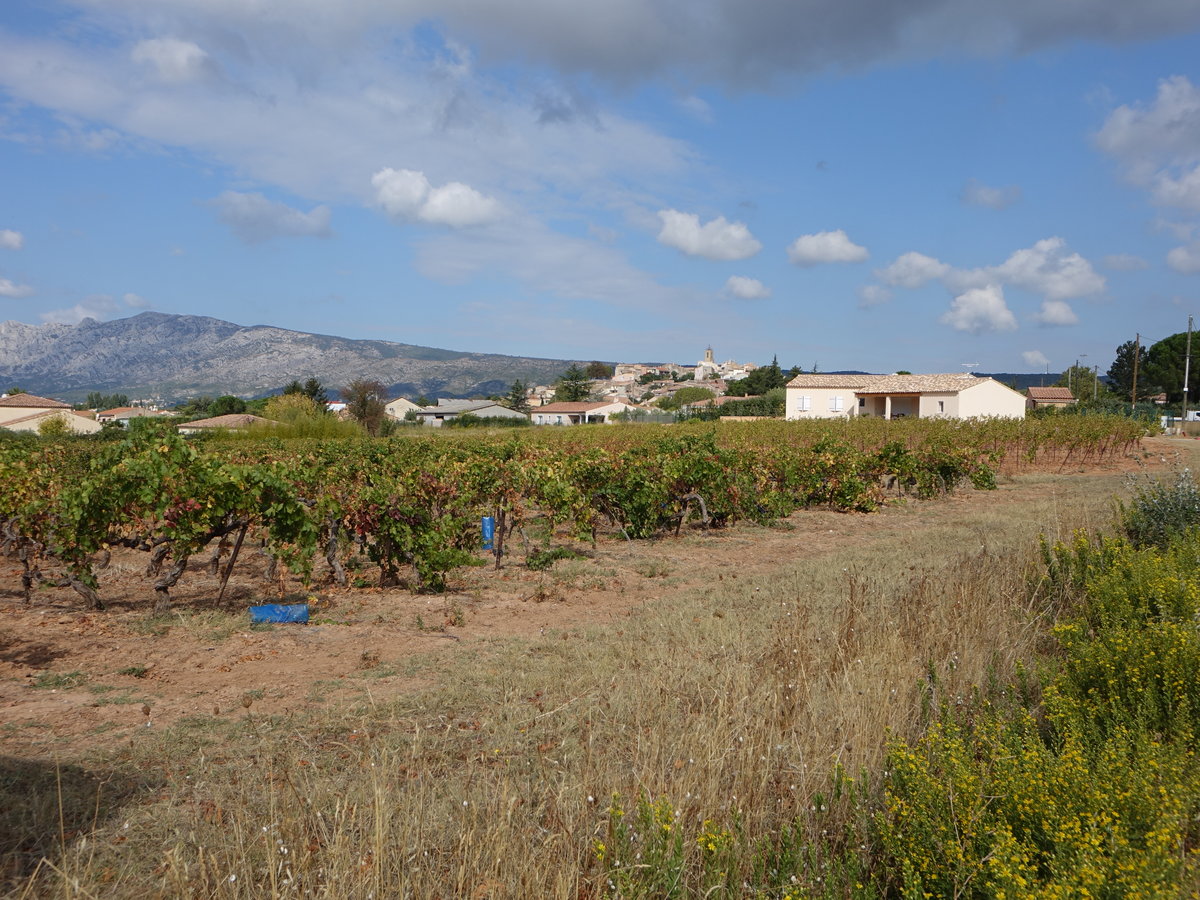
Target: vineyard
<point>411,505</point>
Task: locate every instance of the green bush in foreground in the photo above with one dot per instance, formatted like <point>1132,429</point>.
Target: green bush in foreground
<point>1161,511</point>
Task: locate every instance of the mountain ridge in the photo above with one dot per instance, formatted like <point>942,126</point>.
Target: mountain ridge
<point>173,357</point>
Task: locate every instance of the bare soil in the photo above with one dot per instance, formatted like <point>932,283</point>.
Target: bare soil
<point>73,681</point>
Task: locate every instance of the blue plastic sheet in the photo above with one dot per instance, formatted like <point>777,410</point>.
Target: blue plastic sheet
<point>487,528</point>
<point>279,612</point>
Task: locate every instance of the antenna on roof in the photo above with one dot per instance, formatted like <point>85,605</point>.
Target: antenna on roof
<point>969,367</point>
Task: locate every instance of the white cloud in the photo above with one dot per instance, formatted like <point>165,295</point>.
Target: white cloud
<point>1186,259</point>
<point>913,270</point>
<point>255,219</point>
<point>15,291</point>
<point>136,301</point>
<point>976,193</point>
<point>873,295</point>
<point>825,247</point>
<point>96,306</point>
<point>1166,132</point>
<point>1035,358</point>
<point>1046,268</point>
<point>980,310</point>
<point>11,240</point>
<point>1056,312</point>
<point>1182,192</point>
<point>174,60</point>
<point>746,288</point>
<point>1124,262</point>
<point>406,194</point>
<point>717,239</point>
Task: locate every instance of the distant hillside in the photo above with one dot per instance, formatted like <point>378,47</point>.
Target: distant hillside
<point>174,357</point>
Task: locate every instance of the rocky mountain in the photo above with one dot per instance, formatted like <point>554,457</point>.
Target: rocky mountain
<point>174,357</point>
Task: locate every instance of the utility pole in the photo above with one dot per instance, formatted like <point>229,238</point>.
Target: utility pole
<point>1095,383</point>
<point>1137,351</point>
<point>1187,366</point>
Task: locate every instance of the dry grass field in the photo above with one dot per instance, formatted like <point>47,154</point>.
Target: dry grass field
<point>471,744</point>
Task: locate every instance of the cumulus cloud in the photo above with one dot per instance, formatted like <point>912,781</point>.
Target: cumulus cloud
<point>1124,262</point>
<point>1056,312</point>
<point>872,295</point>
<point>1182,192</point>
<point>1035,358</point>
<point>976,193</point>
<point>172,59</point>
<point>254,218</point>
<point>1046,268</point>
<point>1159,143</point>
<point>1167,131</point>
<point>14,291</point>
<point>136,301</point>
<point>912,270</point>
<point>717,239</point>
<point>979,311</point>
<point>1185,259</point>
<point>746,288</point>
<point>96,306</point>
<point>11,240</point>
<point>405,194</point>
<point>825,247</point>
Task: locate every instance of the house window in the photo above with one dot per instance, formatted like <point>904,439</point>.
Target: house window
<point>835,404</point>
<point>559,422</point>
<point>941,406</point>
<point>862,402</point>
<point>805,404</point>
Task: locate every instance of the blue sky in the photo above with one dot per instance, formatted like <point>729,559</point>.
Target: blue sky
<point>865,185</point>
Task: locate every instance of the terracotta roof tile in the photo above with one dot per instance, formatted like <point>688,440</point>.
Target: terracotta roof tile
<point>822,380</point>
<point>31,401</point>
<point>947,382</point>
<point>1050,393</point>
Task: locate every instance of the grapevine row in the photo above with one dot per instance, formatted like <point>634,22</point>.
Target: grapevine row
<point>412,504</point>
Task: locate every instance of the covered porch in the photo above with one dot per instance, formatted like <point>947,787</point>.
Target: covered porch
<point>889,405</point>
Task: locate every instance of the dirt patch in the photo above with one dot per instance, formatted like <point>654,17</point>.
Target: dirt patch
<point>74,681</point>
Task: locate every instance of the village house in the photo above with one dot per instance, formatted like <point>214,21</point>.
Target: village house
<point>122,414</point>
<point>580,413</point>
<point>955,395</point>
<point>28,412</point>
<point>1042,397</point>
<point>448,410</point>
<point>399,408</point>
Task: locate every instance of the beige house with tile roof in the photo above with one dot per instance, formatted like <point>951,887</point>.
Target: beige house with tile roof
<point>1040,397</point>
<point>28,412</point>
<point>955,395</point>
<point>77,422</point>
<point>580,413</point>
<point>18,406</point>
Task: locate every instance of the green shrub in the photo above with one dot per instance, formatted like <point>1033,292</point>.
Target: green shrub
<point>1161,511</point>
